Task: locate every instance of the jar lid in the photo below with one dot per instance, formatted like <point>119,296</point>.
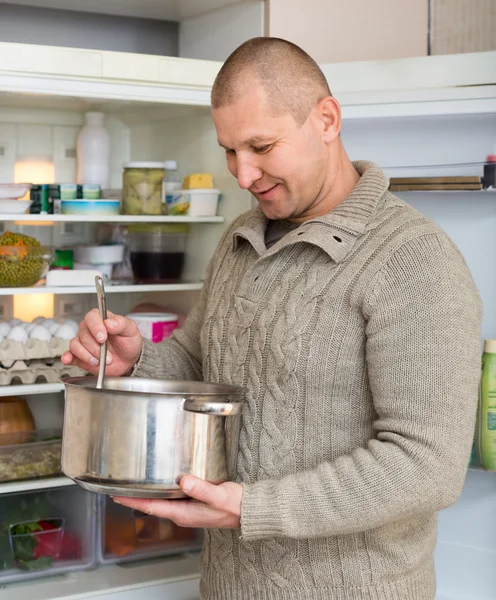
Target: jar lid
<point>153,317</point>
<point>170,164</point>
<point>144,165</point>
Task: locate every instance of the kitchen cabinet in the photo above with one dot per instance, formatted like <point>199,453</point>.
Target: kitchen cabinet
<point>411,116</point>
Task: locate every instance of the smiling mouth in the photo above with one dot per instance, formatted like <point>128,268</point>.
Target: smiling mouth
<point>261,193</point>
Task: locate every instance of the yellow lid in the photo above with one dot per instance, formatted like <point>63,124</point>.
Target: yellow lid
<point>490,346</point>
<point>198,181</point>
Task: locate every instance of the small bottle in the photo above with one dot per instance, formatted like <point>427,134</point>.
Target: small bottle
<point>486,418</point>
<point>489,177</point>
<point>93,152</point>
<point>172,182</point>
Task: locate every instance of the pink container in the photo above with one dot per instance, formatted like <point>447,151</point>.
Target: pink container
<point>155,327</point>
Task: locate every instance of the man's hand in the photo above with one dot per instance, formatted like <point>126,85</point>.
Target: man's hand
<point>213,506</point>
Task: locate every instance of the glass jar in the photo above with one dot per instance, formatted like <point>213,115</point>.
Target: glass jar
<point>157,251</point>
<point>142,188</point>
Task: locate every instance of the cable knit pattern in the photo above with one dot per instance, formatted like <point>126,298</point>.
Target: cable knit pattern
<point>357,337</point>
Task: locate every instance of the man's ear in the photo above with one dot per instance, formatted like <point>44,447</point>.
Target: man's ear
<point>329,113</point>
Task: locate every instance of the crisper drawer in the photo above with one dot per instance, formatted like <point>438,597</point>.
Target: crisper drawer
<point>46,532</point>
<point>124,534</point>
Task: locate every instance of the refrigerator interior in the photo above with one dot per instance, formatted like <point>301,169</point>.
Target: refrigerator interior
<point>47,127</point>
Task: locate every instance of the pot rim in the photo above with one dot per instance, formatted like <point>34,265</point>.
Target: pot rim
<point>216,388</point>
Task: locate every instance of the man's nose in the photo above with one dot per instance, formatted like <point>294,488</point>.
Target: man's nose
<point>247,173</point>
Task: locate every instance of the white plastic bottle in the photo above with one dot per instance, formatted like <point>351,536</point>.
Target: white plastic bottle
<point>172,183</point>
<point>93,152</point>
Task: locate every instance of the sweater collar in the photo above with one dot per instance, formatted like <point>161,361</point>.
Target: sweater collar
<point>335,232</point>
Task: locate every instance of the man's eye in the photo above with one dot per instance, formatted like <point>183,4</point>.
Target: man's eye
<point>262,149</point>
<point>230,152</point>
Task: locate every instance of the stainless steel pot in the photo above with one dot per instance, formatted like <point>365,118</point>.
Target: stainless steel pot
<point>138,437</point>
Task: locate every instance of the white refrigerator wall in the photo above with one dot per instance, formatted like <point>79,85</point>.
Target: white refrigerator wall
<point>466,550</point>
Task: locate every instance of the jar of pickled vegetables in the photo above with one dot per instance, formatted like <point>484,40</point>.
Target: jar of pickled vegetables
<point>142,185</point>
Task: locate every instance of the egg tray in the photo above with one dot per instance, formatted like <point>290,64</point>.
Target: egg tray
<point>37,371</point>
<point>10,350</point>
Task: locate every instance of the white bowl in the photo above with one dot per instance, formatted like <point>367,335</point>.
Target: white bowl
<point>14,190</point>
<point>99,255</point>
<point>14,207</point>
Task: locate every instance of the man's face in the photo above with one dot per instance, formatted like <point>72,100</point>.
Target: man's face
<point>283,165</point>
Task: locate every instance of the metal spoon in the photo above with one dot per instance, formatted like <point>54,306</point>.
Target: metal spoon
<point>102,307</point>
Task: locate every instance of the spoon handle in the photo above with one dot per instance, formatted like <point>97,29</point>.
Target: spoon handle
<point>102,307</point>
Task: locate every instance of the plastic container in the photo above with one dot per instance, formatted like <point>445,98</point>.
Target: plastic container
<point>486,414</point>
<point>194,203</point>
<point>157,252</point>
<point>155,327</point>
<point>90,207</point>
<point>12,191</point>
<point>142,188</point>
<point>99,255</point>
<point>14,206</point>
<point>45,533</point>
<point>93,152</point>
<point>105,269</point>
<point>90,191</point>
<point>125,535</point>
<point>23,266</point>
<point>68,191</point>
<point>38,457</point>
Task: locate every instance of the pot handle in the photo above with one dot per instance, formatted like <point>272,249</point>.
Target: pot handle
<point>219,409</point>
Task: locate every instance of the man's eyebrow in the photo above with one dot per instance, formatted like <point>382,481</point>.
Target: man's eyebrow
<point>257,139</point>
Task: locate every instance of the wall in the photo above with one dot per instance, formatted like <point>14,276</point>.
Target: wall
<point>337,31</point>
<point>87,30</point>
<point>215,34</point>
<point>462,26</point>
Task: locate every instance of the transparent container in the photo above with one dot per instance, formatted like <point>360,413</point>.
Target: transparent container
<point>157,252</point>
<point>23,266</point>
<point>125,535</point>
<point>38,456</point>
<point>142,188</point>
<point>45,533</point>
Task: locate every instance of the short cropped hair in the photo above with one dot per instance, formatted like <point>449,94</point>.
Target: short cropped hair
<point>293,81</point>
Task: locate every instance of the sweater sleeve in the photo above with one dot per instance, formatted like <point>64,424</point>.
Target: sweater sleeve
<point>180,356</point>
<point>423,318</point>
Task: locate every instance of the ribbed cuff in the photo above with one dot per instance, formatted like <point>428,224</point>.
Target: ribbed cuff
<point>261,511</point>
<point>147,362</point>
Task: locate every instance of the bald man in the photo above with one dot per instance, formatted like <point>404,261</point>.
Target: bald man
<point>354,325</point>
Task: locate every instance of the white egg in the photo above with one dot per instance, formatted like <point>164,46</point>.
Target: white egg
<point>52,328</point>
<point>14,322</point>
<point>5,329</point>
<point>18,334</point>
<point>38,320</point>
<point>65,331</point>
<point>40,333</point>
<point>47,322</point>
<point>72,323</point>
<point>29,327</point>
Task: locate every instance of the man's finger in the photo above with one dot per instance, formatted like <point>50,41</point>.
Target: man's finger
<point>119,325</point>
<point>203,491</point>
<point>165,509</point>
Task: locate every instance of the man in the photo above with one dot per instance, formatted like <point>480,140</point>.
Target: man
<point>354,325</point>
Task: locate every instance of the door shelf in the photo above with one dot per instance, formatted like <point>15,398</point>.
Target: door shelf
<point>30,389</point>
<point>109,289</point>
<point>35,484</point>
<point>108,219</point>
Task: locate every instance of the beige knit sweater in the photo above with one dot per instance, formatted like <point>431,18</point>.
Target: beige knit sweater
<point>357,337</point>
